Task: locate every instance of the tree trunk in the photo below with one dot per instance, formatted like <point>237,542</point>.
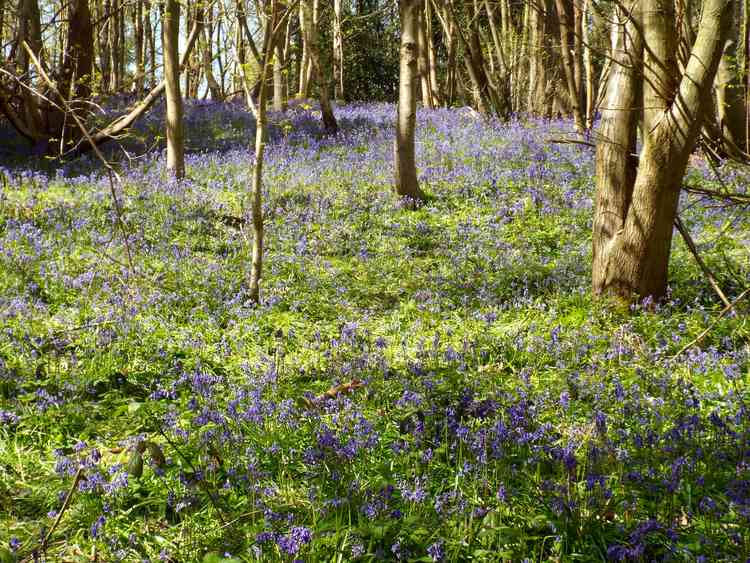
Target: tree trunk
<point>304,65</point>
<point>730,102</point>
<point>589,66</point>
<point>571,70</point>
<point>422,58</point>
<point>259,110</point>
<point>432,55</point>
<point>538,58</point>
<point>208,61</point>
<point>338,52</point>
<point>616,160</point>
<point>407,184</point>
<point>311,40</point>
<point>279,91</point>
<point>633,260</point>
<point>256,193</point>
<point>150,38</point>
<point>175,134</point>
<point>30,31</point>
<point>140,51</point>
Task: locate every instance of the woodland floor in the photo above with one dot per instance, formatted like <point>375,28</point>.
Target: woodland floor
<point>415,386</point>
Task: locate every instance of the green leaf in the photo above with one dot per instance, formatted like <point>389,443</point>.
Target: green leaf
<point>135,465</point>
<point>7,556</point>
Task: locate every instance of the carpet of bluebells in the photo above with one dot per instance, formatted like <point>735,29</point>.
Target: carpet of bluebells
<point>416,385</point>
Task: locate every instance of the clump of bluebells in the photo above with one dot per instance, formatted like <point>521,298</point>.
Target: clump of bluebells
<point>430,385</point>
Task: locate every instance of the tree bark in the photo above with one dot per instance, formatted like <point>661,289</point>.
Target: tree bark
<point>635,260</point>
<point>422,58</point>
<point>279,90</point>
<point>539,55</point>
<point>311,40</point>
<point>616,159</point>
<point>208,61</point>
<point>140,51</point>
<point>730,102</point>
<point>175,133</point>
<point>338,52</point>
<point>407,184</point>
<point>588,66</point>
<point>571,68</point>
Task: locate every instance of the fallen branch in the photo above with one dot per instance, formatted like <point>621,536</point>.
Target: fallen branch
<point>694,251</point>
<point>125,121</point>
<point>703,334</point>
<point>333,392</point>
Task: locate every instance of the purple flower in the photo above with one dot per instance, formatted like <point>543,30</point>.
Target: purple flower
<point>96,527</point>
<point>435,551</point>
<point>294,540</point>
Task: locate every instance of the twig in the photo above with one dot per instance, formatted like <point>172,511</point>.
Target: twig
<point>703,334</point>
<point>111,173</point>
<point>732,197</point>
<point>65,506</point>
<point>694,251</point>
<point>571,142</point>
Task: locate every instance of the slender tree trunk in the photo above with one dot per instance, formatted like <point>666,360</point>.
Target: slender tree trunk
<point>304,65</point>
<point>175,134</point>
<point>407,184</point>
<point>150,38</point>
<point>422,58</point>
<point>261,125</point>
<point>259,110</point>
<point>279,92</point>
<point>338,52</point>
<point>208,61</point>
<point>432,55</point>
<point>588,65</point>
<point>140,51</point>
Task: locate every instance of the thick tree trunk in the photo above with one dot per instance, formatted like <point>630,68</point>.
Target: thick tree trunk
<point>78,63</point>
<point>407,184</point>
<point>175,133</point>
<point>571,68</point>
<point>30,31</point>
<point>616,160</point>
<point>634,260</point>
<point>539,54</point>
<point>311,40</point>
